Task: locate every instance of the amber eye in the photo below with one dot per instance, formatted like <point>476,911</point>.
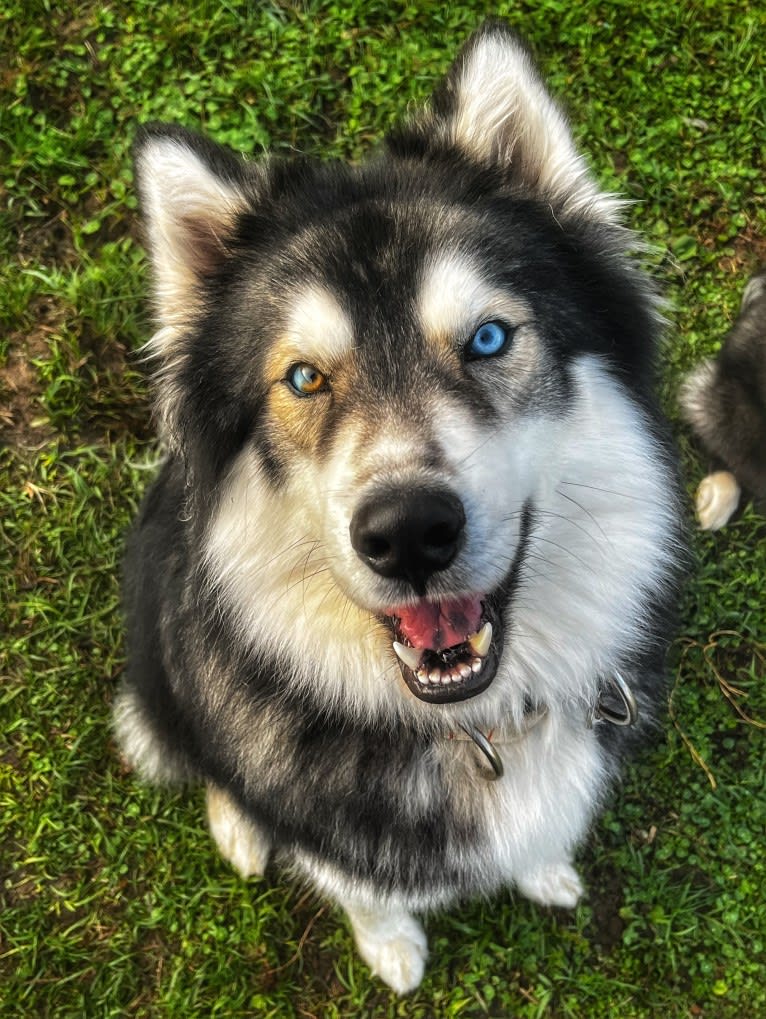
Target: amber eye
<point>306,380</point>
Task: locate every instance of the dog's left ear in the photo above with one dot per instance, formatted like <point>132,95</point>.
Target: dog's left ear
<point>494,108</point>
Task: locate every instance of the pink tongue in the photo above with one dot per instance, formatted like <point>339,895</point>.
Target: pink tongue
<point>438,625</point>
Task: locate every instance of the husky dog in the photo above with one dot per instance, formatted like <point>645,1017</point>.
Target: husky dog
<point>419,518</point>
<point>724,400</point>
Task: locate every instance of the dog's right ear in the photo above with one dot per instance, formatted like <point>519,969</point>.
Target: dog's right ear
<point>191,192</point>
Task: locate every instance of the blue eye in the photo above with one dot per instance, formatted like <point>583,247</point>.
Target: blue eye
<point>306,380</point>
<point>490,338</point>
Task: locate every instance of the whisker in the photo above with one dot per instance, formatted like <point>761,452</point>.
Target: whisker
<point>584,510</point>
<point>337,594</point>
<point>478,447</point>
<point>270,562</point>
<point>549,577</point>
<point>304,578</point>
<point>563,548</point>
<point>574,523</point>
<point>606,491</point>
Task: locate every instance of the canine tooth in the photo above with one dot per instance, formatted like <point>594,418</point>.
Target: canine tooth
<point>476,664</point>
<point>409,655</point>
<point>480,641</point>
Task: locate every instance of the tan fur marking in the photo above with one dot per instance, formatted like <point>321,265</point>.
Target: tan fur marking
<point>297,419</point>
<point>317,331</point>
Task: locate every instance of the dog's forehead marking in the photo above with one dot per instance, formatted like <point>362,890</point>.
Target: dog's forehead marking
<point>318,329</point>
<point>454,297</point>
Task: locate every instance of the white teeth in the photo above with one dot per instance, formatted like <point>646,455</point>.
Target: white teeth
<point>480,641</point>
<point>429,673</point>
<point>409,655</point>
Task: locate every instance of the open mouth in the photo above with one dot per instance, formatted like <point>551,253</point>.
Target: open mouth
<point>450,650</point>
<point>447,650</point>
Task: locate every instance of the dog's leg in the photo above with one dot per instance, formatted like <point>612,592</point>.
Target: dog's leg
<point>239,839</point>
<point>142,747</point>
<point>555,883</point>
<point>717,498</point>
<point>392,943</point>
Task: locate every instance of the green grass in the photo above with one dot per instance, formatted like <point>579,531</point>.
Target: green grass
<point>114,901</point>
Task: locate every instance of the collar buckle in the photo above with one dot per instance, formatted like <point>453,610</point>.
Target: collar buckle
<point>493,757</point>
<point>616,703</point>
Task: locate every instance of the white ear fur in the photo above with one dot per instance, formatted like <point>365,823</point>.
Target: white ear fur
<point>504,114</point>
<point>188,212</point>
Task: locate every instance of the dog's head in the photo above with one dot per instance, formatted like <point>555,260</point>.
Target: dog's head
<point>382,380</point>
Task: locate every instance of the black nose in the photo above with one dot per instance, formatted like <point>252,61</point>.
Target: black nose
<point>408,535</point>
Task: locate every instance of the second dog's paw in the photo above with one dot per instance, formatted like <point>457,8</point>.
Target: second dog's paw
<point>555,884</point>
<point>395,949</point>
<point>716,500</point>
<point>239,840</point>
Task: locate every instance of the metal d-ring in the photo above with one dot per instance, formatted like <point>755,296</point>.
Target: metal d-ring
<point>630,715</point>
<point>493,757</point>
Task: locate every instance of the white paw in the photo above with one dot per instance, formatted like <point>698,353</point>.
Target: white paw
<point>395,949</point>
<point>717,498</point>
<point>239,840</point>
<point>555,884</point>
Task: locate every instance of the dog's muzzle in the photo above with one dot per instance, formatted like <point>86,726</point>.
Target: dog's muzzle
<point>445,648</point>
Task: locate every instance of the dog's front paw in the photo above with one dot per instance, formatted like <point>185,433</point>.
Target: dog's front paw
<point>717,498</point>
<point>400,962</point>
<point>393,945</point>
<point>239,839</point>
<point>554,884</point>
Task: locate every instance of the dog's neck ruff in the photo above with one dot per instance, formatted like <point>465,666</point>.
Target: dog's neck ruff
<point>615,705</point>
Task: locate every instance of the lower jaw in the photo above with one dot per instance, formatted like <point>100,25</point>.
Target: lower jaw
<point>454,690</point>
